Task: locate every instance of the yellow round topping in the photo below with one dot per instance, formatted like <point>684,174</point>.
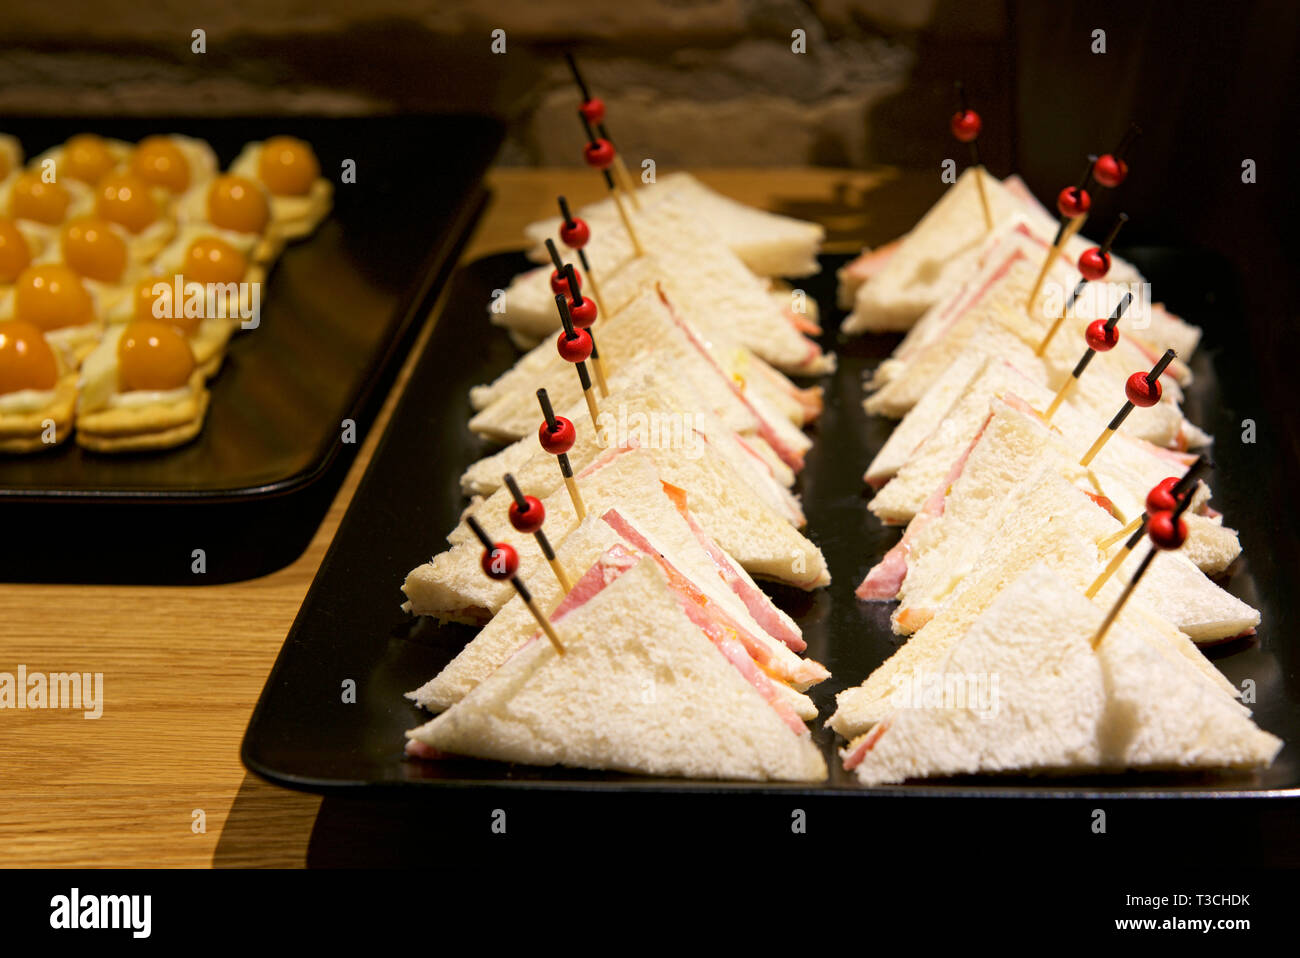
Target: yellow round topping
<point>153,355</point>
<point>287,166</point>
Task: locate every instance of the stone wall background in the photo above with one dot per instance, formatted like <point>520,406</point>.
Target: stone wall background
<point>686,81</point>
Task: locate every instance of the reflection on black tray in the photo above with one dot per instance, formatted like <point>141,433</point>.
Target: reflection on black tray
<point>350,626</point>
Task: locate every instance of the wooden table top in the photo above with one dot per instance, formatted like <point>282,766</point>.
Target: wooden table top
<point>183,666</point>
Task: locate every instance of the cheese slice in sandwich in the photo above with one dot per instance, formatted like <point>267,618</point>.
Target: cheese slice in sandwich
<point>659,526</point>
<point>969,505</point>
<point>769,244</point>
<point>1059,706</point>
<point>706,282</point>
<point>644,686</point>
<point>1029,543</point>
<point>989,504</point>
<point>508,408</point>
<point>673,427</point>
<point>943,250</point>
<point>452,586</point>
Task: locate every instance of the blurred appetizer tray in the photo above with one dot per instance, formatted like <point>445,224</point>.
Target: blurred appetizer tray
<point>304,735</point>
<point>338,308</point>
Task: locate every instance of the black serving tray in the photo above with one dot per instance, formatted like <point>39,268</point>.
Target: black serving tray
<point>340,308</point>
<point>302,735</point>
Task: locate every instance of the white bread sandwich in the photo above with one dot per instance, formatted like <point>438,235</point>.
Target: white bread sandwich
<point>769,244</point>
<point>699,571</point>
<point>1059,706</point>
<point>707,284</point>
<point>452,587</point>
<point>642,413</point>
<point>641,688</point>
<point>507,409</point>
<point>1130,466</point>
<point>990,501</point>
<point>943,250</point>
<point>1095,300</point>
<point>1011,445</point>
<point>990,317</point>
<point>1075,559</point>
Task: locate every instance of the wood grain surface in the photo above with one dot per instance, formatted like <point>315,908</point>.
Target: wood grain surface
<point>183,666</point>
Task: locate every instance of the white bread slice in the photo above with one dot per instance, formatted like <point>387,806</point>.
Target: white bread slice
<point>769,244</point>
<point>983,483</point>
<point>705,280</point>
<point>1029,542</point>
<point>850,277</point>
<point>639,689</point>
<point>940,251</point>
<point>1128,463</point>
<point>989,502</point>
<point>943,250</point>
<point>509,406</point>
<point>655,518</point>
<point>1211,546</point>
<point>452,586</point>
<point>923,418</point>
<point>991,318</point>
<point>642,412</point>
<point>1061,706</point>
<point>1124,471</point>
<point>734,510</point>
<point>1031,238</point>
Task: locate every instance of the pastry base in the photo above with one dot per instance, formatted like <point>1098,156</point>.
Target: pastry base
<point>293,217</point>
<point>142,428</point>
<point>20,432</point>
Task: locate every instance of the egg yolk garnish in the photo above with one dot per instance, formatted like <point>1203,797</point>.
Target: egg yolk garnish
<point>153,355</point>
<point>93,249</point>
<point>146,299</point>
<point>213,260</point>
<point>34,199</point>
<point>15,254</point>
<point>238,204</point>
<point>86,157</point>
<point>159,162</point>
<point>26,359</point>
<point>287,166</point>
<point>124,199</point>
<point>51,296</point>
